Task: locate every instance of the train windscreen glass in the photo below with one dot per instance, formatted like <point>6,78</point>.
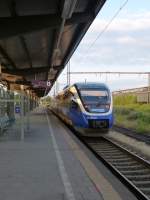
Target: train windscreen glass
<point>95,100</point>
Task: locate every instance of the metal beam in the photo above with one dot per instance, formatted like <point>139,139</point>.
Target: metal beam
<point>56,76</point>
<point>79,34</point>
<point>58,67</point>
<point>38,91</point>
<point>50,52</point>
<point>22,39</point>
<point>67,11</point>
<point>25,72</point>
<point>7,57</point>
<point>20,82</point>
<point>83,27</point>
<point>107,72</point>
<point>28,71</point>
<point>18,25</point>
<point>27,83</point>
<point>24,45</point>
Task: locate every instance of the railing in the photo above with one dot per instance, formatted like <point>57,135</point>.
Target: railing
<point>14,106</point>
<point>142,94</point>
<point>132,90</point>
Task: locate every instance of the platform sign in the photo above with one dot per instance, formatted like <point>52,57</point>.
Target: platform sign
<point>41,84</point>
<point>17,109</point>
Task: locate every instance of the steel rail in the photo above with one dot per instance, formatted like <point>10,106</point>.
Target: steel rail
<point>132,133</point>
<point>131,169</point>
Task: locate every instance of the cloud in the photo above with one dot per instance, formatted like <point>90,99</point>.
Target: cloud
<point>126,40</point>
<point>130,22</point>
<point>125,46</point>
<point>125,43</point>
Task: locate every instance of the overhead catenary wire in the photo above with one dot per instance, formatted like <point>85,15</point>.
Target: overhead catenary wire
<point>106,27</point>
<point>101,33</point>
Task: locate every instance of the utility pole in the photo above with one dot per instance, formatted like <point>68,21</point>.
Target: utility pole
<point>148,81</point>
<point>68,73</point>
<point>0,72</point>
<point>148,87</point>
<point>22,112</point>
<point>54,89</point>
<point>57,87</point>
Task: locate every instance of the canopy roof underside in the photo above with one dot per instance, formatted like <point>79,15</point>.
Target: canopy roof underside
<point>38,37</point>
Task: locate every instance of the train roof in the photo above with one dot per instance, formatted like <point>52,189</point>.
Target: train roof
<point>86,85</point>
<point>90,85</point>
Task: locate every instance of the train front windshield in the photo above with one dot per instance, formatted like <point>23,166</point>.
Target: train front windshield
<point>95,100</point>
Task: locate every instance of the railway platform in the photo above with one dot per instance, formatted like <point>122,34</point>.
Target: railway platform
<point>51,163</point>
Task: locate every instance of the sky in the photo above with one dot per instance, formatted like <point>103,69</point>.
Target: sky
<point>124,46</point>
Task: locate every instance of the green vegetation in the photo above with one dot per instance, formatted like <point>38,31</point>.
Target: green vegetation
<point>124,99</point>
<point>130,114</point>
<point>46,101</point>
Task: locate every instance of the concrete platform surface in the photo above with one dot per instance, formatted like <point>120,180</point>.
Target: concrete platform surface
<point>49,165</point>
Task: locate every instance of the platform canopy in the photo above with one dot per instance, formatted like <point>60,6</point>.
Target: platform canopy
<point>38,37</point>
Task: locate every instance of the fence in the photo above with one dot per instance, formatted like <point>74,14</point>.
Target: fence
<point>15,106</point>
<point>142,94</point>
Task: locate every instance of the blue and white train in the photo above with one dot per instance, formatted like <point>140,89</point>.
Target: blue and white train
<point>87,107</point>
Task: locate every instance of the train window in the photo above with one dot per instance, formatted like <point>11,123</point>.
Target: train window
<point>95,100</point>
<point>94,95</point>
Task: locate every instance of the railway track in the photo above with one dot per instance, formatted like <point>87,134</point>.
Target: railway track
<point>131,133</point>
<point>131,169</point>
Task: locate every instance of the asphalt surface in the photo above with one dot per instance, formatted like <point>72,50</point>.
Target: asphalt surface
<point>51,163</point>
